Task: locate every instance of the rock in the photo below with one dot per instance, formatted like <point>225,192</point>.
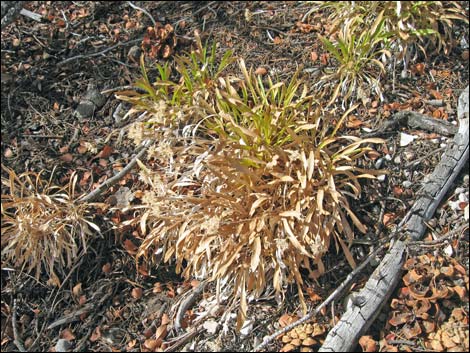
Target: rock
<point>134,54</point>
<point>63,345</point>
<point>407,184</point>
<point>92,102</point>
<point>465,55</point>
<point>94,96</point>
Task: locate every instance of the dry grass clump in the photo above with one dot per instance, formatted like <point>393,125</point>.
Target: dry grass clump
<point>256,192</point>
<point>249,227</point>
<point>42,227</point>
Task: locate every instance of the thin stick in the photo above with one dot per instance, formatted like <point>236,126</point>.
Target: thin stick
<point>123,88</point>
<point>186,304</point>
<point>195,12</point>
<point>53,137</point>
<point>440,240</point>
<point>183,339</point>
<point>80,56</point>
<point>16,336</point>
<point>144,11</point>
<point>111,181</point>
<point>32,15</point>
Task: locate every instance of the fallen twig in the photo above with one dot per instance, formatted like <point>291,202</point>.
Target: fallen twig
<point>80,56</point>
<point>183,339</point>
<point>186,304</point>
<point>144,11</point>
<point>32,15</point>
<point>195,12</point>
<point>75,316</point>
<point>434,102</point>
<point>52,137</point>
<point>111,181</point>
<point>16,336</point>
<point>439,241</point>
<point>415,121</point>
<point>123,88</point>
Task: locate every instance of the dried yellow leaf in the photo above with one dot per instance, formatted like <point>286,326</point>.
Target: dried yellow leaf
<point>255,258</point>
<point>295,214</point>
<point>293,238</point>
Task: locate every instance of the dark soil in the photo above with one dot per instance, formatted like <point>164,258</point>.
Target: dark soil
<point>40,95</point>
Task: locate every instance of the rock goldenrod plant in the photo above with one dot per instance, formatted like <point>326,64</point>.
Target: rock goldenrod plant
<point>359,69</point>
<point>257,192</point>
<point>410,23</point>
<point>364,33</point>
<point>42,226</point>
<point>171,102</point>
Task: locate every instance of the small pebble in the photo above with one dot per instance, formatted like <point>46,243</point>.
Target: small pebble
<point>442,221</point>
<point>381,177</point>
<point>63,345</point>
<point>465,55</point>
<point>463,197</point>
<point>463,43</point>
<point>407,184</point>
<point>379,163</point>
<point>454,205</point>
<point>448,250</point>
<point>409,156</point>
